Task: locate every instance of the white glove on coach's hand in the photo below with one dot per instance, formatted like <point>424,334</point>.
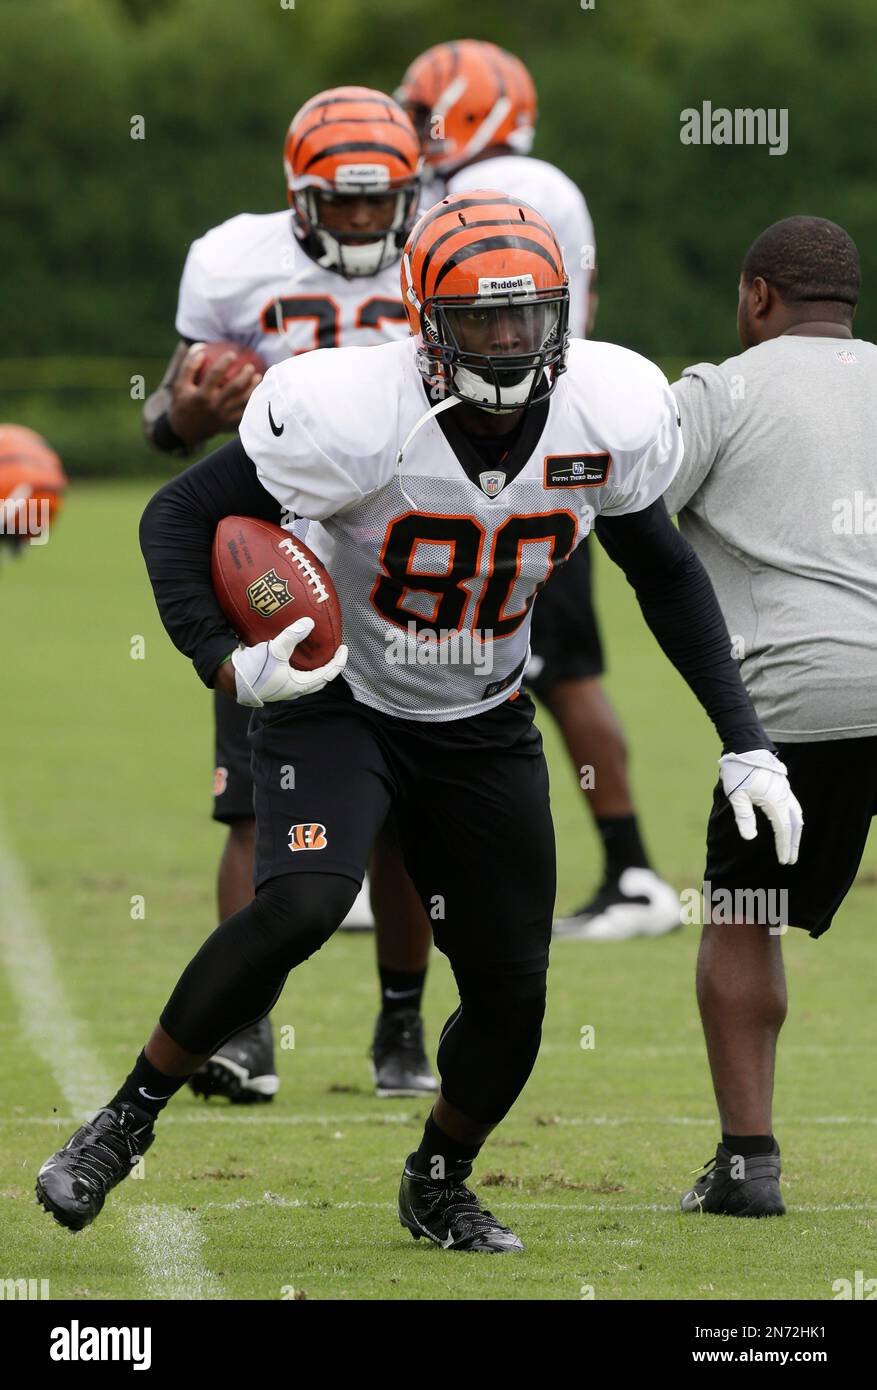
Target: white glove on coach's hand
<point>263,672</point>
<point>759,779</point>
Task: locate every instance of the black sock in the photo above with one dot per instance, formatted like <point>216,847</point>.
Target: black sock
<point>749,1145</point>
<point>439,1155</point>
<point>401,989</point>
<point>147,1088</point>
<point>622,845</point>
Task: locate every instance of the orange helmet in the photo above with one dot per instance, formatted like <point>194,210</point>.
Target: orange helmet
<point>467,97</point>
<point>352,143</point>
<point>30,473</point>
<point>486,294</point>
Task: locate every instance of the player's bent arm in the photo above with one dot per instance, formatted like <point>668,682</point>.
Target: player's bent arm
<point>191,405</point>
<point>680,606</point>
<point>156,410</point>
<point>176,537</point>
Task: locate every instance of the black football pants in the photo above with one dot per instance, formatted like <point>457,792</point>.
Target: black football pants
<point>471,806</point>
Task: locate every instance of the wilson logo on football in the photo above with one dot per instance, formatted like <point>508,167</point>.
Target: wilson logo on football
<point>307,836</point>
<point>268,594</point>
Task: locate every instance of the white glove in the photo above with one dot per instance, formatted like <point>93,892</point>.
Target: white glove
<point>759,779</point>
<point>263,672</point>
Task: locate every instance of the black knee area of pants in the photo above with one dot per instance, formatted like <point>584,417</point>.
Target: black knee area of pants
<point>293,916</point>
<point>489,1046</point>
<point>237,975</point>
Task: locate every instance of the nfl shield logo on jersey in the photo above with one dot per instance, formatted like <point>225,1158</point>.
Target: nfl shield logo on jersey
<point>492,482</point>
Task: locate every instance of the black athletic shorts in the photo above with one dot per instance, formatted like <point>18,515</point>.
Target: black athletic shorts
<point>564,636</point>
<point>232,778</point>
<point>471,805</point>
<point>836,784</point>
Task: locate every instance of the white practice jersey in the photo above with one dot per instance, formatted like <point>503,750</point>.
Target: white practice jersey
<point>437,560</point>
<point>250,281</point>
<point>549,191</point>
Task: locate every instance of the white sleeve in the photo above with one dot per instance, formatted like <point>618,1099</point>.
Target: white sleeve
<point>704,405</point>
<point>278,435</point>
<point>196,314</point>
<point>643,475</point>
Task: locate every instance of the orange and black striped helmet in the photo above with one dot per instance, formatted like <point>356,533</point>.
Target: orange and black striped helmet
<point>466,97</point>
<point>486,293</point>
<point>355,144</point>
<point>30,473</point>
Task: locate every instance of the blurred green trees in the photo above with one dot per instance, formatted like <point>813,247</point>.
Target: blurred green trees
<point>95,224</point>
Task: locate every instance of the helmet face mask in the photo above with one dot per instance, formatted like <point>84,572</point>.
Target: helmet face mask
<point>487,297</point>
<point>495,353</point>
<point>330,238</point>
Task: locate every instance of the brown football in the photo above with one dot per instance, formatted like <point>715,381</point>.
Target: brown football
<point>243,357</point>
<point>264,579</point>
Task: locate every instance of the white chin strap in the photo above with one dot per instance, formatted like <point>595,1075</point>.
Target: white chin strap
<point>363,258</point>
<point>430,414</point>
<point>482,393</point>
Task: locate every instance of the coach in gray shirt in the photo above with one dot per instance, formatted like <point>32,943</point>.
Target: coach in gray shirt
<point>778,495</point>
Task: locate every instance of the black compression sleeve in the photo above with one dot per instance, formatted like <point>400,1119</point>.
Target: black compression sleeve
<point>176,537</point>
<point>680,606</point>
<point>165,438</point>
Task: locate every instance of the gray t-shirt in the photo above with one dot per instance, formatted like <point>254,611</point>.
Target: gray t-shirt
<point>777,493</point>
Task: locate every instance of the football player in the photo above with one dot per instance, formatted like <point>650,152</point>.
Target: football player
<point>32,487</point>
<point>474,106</point>
<point>323,275</point>
<point>443,478</point>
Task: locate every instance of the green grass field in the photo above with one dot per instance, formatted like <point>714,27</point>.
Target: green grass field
<point>105,777</point>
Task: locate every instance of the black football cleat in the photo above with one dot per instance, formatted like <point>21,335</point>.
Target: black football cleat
<point>450,1215</point>
<point>737,1186</point>
<point>73,1184</point>
<point>399,1062</point>
<point>242,1069</point>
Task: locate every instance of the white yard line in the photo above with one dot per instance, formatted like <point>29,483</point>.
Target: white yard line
<point>167,1242</point>
<point>55,1035</point>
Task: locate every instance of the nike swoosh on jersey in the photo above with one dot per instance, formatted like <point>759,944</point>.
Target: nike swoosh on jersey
<point>274,428</point>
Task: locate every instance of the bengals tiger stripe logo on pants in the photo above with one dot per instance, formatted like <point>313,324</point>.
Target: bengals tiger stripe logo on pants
<point>309,835</point>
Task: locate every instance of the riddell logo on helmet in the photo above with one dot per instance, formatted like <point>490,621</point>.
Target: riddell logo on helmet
<point>506,284</point>
<point>362,176</point>
<point>307,836</point>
